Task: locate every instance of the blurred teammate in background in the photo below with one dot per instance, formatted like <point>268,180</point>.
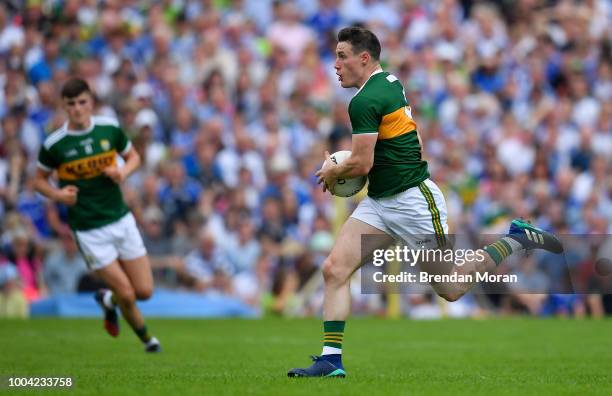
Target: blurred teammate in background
<point>84,154</point>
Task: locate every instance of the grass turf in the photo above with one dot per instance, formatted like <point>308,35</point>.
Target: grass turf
<point>386,357</point>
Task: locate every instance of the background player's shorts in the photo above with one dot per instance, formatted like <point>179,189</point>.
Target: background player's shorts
<point>416,216</point>
<point>101,246</point>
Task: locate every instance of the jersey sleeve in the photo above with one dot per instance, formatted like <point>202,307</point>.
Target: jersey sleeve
<point>122,142</point>
<point>46,160</point>
<point>365,115</point>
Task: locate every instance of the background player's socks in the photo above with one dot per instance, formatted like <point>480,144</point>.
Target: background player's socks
<point>153,345</point>
<point>143,334</point>
<point>333,334</point>
<point>502,248</point>
<point>104,298</point>
<point>108,299</point>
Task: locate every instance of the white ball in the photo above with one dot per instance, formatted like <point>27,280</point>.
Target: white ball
<point>346,187</point>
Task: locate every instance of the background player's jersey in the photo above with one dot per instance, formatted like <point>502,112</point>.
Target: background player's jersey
<point>380,106</point>
<point>80,158</point>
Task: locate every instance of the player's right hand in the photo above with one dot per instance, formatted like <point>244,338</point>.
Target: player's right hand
<point>67,195</point>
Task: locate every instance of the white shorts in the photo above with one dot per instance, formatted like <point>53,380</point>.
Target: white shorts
<point>101,246</point>
<point>416,216</point>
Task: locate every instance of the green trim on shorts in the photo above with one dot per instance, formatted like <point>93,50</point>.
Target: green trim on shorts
<point>85,257</point>
<point>435,213</point>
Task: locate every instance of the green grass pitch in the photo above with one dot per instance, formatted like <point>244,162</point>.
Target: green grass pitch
<point>382,357</point>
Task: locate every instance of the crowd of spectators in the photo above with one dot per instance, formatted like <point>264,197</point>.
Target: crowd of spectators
<point>232,103</point>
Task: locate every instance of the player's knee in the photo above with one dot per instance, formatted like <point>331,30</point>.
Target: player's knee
<point>144,293</point>
<point>451,296</point>
<point>333,271</point>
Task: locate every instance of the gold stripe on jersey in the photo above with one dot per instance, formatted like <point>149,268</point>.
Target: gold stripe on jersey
<point>396,124</point>
<point>86,168</point>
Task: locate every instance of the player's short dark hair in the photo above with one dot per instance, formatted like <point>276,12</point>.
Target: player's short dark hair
<point>361,39</point>
<point>74,87</point>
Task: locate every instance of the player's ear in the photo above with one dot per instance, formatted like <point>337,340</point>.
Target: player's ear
<point>365,58</point>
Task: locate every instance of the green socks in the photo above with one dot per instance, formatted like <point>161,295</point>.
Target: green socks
<point>333,333</point>
<point>143,334</point>
<point>502,248</point>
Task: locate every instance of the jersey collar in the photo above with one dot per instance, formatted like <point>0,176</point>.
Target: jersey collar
<point>78,132</point>
<point>378,70</point>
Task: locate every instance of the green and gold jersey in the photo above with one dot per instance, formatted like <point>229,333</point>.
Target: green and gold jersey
<point>80,158</point>
<point>380,106</point>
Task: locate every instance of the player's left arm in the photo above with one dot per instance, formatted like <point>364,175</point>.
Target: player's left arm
<point>129,154</point>
<point>358,164</point>
<point>132,162</point>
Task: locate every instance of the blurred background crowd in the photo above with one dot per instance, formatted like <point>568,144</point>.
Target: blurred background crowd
<point>232,103</point>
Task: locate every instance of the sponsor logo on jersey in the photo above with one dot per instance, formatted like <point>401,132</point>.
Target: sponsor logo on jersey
<point>105,144</point>
<point>86,168</point>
